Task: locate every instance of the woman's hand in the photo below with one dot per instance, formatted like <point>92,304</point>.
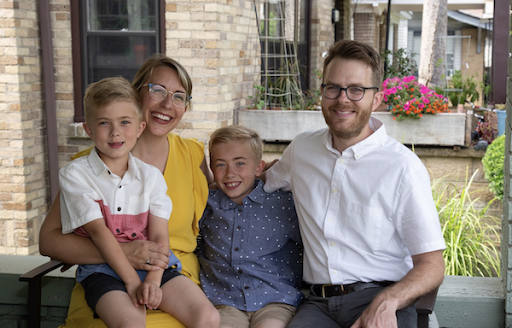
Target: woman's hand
<point>142,252</point>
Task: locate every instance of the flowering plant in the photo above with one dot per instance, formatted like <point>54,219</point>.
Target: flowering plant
<point>405,97</point>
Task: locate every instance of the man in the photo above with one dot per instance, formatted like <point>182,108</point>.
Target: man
<point>371,234</point>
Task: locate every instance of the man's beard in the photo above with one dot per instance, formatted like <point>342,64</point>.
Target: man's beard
<point>355,128</point>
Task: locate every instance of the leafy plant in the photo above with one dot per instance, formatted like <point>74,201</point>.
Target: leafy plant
<point>260,91</point>
<point>408,98</point>
<point>314,97</point>
<point>488,129</point>
<point>493,162</point>
<point>403,63</point>
<point>469,233</point>
<point>464,89</point>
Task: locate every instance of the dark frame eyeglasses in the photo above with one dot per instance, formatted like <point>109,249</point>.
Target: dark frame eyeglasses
<point>354,93</point>
<point>159,93</point>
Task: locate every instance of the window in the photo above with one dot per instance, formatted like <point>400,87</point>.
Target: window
<point>112,38</point>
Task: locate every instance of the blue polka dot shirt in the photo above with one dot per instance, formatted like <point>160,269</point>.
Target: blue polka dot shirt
<point>250,253</point>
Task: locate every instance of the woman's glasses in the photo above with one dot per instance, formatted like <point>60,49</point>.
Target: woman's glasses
<point>159,93</point>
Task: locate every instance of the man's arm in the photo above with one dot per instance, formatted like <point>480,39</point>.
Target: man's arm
<point>426,275</point>
<point>74,249</point>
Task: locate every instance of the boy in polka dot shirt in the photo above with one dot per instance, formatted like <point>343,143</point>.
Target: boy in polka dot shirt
<point>250,258</point>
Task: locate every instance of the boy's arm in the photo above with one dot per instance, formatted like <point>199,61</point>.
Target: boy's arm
<point>111,251</point>
<point>149,292</point>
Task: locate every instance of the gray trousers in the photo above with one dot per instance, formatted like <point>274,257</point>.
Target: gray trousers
<point>343,311</point>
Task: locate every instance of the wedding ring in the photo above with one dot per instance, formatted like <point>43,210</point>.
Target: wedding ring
<point>148,261</point>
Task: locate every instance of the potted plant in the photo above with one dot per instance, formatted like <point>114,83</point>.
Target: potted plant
<point>420,116</point>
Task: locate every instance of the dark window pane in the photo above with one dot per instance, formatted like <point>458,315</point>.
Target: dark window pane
<point>117,55</point>
<point>125,15</point>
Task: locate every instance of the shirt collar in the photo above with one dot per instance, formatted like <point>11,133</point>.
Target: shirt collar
<point>99,167</point>
<point>365,146</point>
<point>257,195</point>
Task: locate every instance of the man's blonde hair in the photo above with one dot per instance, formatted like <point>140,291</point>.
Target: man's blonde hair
<point>108,90</point>
<point>238,133</point>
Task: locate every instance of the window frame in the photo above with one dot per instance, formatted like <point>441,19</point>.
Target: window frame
<point>77,54</point>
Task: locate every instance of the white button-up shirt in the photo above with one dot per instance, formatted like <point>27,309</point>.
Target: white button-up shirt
<point>362,213</point>
<point>89,191</point>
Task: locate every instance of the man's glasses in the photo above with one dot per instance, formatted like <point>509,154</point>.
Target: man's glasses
<point>332,91</point>
<point>159,93</point>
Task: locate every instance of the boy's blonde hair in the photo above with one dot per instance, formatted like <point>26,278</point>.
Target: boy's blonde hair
<point>107,91</point>
<point>238,133</point>
<point>146,70</point>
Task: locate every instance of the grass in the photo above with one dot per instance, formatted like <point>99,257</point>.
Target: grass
<point>469,233</point>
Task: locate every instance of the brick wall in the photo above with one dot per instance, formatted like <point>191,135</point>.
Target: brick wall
<point>23,181</point>
<point>322,36</point>
<point>218,44</point>
<point>367,29</point>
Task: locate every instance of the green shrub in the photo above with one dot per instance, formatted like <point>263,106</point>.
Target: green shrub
<point>493,162</point>
<point>469,233</point>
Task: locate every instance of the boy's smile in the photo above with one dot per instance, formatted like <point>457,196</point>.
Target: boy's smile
<point>235,168</point>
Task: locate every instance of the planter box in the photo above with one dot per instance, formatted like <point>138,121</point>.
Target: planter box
<point>280,125</point>
<point>447,129</point>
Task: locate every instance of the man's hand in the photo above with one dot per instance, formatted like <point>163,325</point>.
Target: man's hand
<point>150,295</point>
<point>380,314</point>
<point>139,251</point>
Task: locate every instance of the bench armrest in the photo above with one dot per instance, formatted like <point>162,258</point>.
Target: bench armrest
<point>425,306</point>
<point>34,277</point>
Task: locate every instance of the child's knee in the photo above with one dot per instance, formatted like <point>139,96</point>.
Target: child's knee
<point>209,317</point>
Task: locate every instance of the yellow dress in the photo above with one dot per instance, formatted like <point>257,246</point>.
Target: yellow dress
<point>188,190</point>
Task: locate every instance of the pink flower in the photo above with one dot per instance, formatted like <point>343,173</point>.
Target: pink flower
<point>421,106</point>
<point>425,100</point>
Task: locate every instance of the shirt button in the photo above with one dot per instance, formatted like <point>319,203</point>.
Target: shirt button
<point>239,271</point>
<point>120,187</point>
<point>341,161</point>
<point>335,191</point>
<point>236,249</point>
<point>240,209</point>
<point>119,209</point>
<point>334,272</point>
<point>109,172</point>
<point>134,235</point>
<point>333,243</point>
<point>238,228</point>
<point>118,231</point>
<point>246,287</point>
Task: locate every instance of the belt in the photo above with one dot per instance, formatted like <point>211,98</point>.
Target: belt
<point>339,290</point>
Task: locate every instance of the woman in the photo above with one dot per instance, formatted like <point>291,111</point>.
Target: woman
<point>161,82</point>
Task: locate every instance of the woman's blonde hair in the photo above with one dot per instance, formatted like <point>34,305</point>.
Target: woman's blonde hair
<point>146,70</point>
<point>108,90</point>
<point>238,133</point>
